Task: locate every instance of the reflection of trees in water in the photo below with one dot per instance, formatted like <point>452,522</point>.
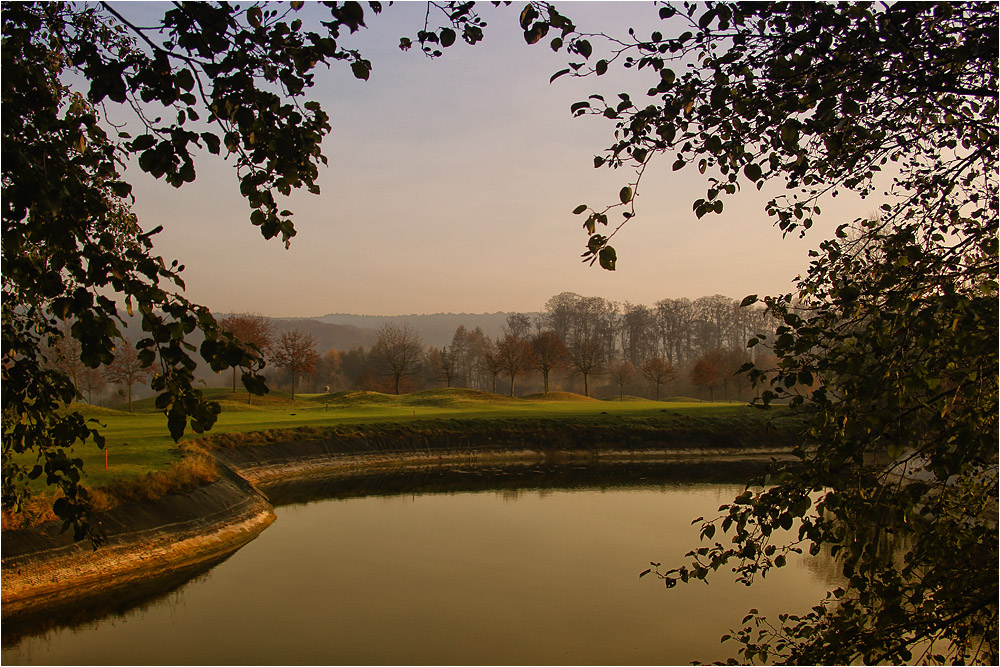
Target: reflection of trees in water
<point>510,480</point>
<point>824,566</point>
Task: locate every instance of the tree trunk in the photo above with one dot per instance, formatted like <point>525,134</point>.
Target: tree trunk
<point>293,385</point>
<point>512,385</point>
<point>234,379</point>
<point>397,385</point>
<point>130,397</point>
<point>586,390</point>
<point>545,375</point>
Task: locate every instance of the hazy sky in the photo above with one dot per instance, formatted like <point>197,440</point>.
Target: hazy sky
<point>451,186</point>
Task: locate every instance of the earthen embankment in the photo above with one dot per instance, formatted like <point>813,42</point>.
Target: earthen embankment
<point>43,570</point>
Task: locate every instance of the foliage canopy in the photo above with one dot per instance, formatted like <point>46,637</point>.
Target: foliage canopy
<point>210,77</point>
<point>890,340</point>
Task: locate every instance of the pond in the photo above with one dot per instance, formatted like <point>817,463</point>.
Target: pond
<point>529,565</point>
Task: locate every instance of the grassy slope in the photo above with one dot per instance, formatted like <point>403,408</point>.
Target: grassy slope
<point>139,442</point>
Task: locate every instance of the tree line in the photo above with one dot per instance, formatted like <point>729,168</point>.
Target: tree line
<point>587,345</point>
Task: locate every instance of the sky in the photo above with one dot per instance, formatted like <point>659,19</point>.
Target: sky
<point>450,188</point>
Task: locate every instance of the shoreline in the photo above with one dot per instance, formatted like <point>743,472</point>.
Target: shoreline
<point>44,571</point>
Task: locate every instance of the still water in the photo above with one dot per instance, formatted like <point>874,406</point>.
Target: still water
<point>532,573</point>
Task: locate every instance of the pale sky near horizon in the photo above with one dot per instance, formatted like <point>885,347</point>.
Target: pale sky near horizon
<point>451,186</point>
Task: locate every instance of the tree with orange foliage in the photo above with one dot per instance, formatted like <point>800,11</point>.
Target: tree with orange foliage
<point>707,372</point>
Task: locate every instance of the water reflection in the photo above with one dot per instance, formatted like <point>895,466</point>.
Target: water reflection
<point>513,479</point>
<point>512,566</point>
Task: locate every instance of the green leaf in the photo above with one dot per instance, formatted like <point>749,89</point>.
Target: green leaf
<point>184,79</point>
<point>601,67</point>
<point>254,16</point>
<point>528,14</point>
<point>625,194</point>
<point>747,300</point>
<point>579,209</point>
<point>447,37</point>
<point>558,74</point>
<point>142,142</point>
<point>361,69</point>
<point>752,171</point>
<point>608,257</point>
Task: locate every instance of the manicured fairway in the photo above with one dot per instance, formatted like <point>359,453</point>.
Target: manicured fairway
<point>139,442</point>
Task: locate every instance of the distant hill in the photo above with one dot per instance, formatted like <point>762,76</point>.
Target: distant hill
<point>328,336</point>
<point>435,330</point>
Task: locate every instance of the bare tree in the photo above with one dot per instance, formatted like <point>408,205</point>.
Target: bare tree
<point>518,325</point>
<point>658,371</point>
<point>126,369</point>
<point>560,313</point>
<point>550,353</point>
<point>674,323</point>
<point>622,372</point>
<point>91,380</point>
<point>443,364</point>
<point>64,355</point>
<point>295,352</point>
<point>586,357</point>
<point>397,352</point>
<point>250,328</point>
<point>515,355</point>
<point>489,359</point>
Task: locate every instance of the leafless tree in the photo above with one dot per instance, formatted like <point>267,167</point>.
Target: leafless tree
<point>296,353</point>
<point>397,352</point>
<point>586,358</point>
<point>550,354</point>
<point>658,371</point>
<point>489,359</point>
<point>674,323</point>
<point>560,312</point>
<point>443,364</point>
<point>518,325</point>
<point>126,369</point>
<point>637,332</point>
<point>516,355</point>
<point>622,371</point>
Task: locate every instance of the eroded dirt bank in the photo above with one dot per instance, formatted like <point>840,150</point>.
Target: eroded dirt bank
<point>44,571</point>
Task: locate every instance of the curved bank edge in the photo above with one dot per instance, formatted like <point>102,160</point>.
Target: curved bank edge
<point>43,570</point>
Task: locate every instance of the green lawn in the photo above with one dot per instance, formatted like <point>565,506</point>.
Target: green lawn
<point>139,442</point>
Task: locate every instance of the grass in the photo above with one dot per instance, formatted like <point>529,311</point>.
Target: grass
<point>141,454</point>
